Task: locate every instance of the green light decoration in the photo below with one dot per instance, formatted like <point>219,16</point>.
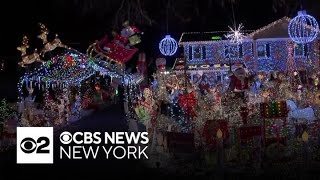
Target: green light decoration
<point>116,92</point>
<point>216,38</point>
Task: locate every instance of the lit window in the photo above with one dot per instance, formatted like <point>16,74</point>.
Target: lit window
<point>263,50</point>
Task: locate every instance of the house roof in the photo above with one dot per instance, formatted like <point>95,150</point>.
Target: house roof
<point>276,29</point>
<point>188,37</point>
<point>202,37</point>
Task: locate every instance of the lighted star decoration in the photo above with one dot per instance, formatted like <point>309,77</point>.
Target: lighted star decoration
<point>236,35</point>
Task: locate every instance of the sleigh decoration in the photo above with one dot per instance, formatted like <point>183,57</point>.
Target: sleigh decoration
<point>119,48</point>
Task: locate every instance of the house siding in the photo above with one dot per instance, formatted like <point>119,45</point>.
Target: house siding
<point>274,59</point>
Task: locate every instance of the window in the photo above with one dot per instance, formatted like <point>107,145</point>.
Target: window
<point>233,51</point>
<point>300,50</point>
<point>197,53</point>
<point>204,54</point>
<point>263,50</point>
<point>190,53</point>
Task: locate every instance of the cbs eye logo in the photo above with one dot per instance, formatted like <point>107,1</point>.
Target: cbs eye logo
<point>65,137</point>
<point>29,145</point>
<point>34,145</point>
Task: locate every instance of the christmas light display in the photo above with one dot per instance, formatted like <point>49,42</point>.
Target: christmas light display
<point>198,102</point>
<point>271,54</point>
<point>219,53</point>
<point>187,103</point>
<point>303,28</point>
<point>69,71</point>
<point>27,59</point>
<point>168,46</point>
<point>236,35</point>
<point>49,46</point>
<point>264,54</point>
<point>258,110</point>
<point>70,68</point>
<point>274,109</point>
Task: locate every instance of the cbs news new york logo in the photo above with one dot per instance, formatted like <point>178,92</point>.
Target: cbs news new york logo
<point>35,145</point>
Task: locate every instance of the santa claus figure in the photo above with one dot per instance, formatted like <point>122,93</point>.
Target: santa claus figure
<point>239,81</point>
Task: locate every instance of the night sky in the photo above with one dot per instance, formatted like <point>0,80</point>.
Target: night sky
<point>81,22</point>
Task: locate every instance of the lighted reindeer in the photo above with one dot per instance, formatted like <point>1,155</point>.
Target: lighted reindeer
<point>49,46</point>
<point>27,58</point>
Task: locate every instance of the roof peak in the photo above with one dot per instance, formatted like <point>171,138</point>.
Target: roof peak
<point>284,19</point>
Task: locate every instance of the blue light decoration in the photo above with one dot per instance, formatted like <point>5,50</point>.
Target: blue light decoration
<point>303,28</point>
<point>168,46</point>
<point>70,69</point>
<point>216,53</point>
<point>272,54</point>
<point>277,55</point>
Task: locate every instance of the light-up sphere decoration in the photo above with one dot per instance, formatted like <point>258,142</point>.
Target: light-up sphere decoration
<point>168,46</point>
<point>303,28</point>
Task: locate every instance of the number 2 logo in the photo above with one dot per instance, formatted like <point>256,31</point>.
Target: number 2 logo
<point>29,145</point>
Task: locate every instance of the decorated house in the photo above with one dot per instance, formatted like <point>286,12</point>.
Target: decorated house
<point>266,49</point>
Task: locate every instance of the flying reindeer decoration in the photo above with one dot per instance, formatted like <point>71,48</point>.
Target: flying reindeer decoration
<point>27,59</point>
<point>48,46</point>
